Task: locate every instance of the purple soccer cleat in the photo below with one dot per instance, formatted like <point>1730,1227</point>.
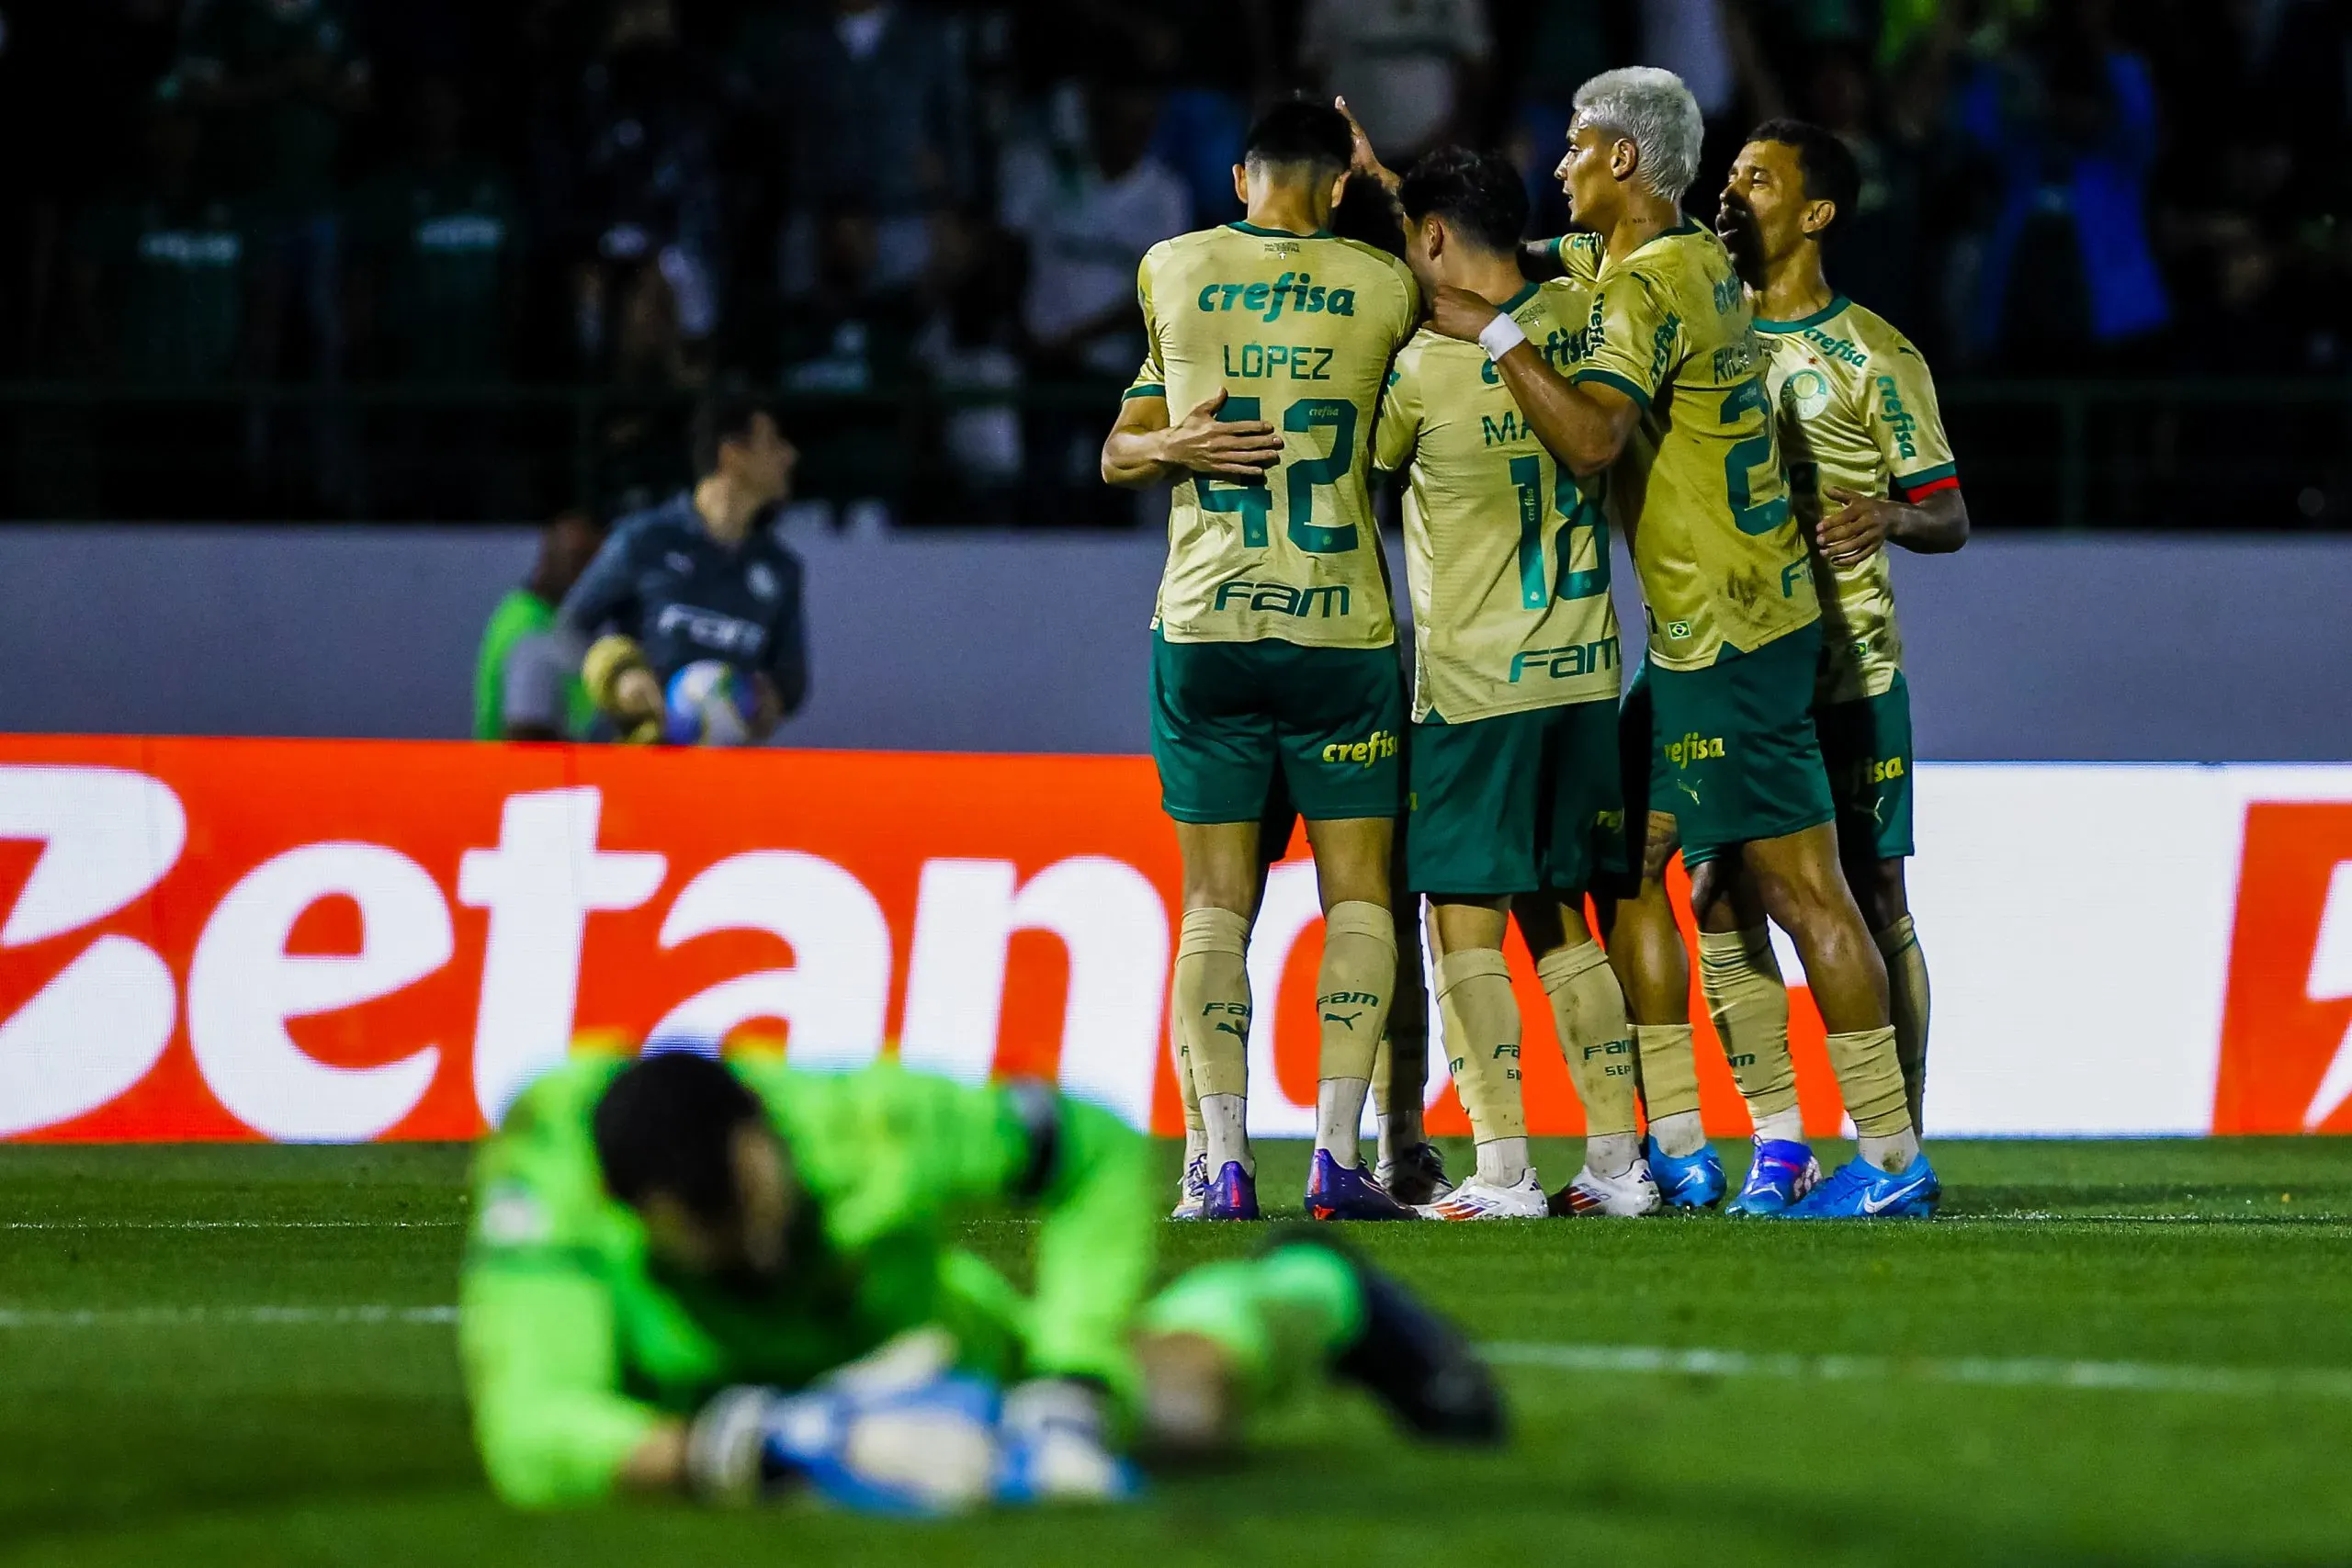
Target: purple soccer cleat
<point>1233,1195</point>
<point>1335,1192</point>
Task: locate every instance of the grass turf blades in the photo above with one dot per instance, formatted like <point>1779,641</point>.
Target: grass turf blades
<point>2107,1353</point>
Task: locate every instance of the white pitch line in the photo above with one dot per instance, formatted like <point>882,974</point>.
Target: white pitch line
<point>2131,1377</point>
<point>168,1318</point>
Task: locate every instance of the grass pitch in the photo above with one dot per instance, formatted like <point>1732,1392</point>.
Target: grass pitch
<point>2105,1353</point>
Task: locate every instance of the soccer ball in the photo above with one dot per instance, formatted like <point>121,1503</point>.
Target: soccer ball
<point>708,703</point>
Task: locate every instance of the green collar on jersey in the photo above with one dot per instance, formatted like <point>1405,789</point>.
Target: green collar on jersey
<point>1837,303</point>
<point>1279,233</point>
<point>1511,305</point>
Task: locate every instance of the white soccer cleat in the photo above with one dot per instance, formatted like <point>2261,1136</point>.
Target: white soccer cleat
<point>1626,1196</point>
<point>1193,1191</point>
<point>1478,1199</point>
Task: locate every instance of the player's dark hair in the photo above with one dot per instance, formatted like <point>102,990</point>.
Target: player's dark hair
<point>720,417</point>
<point>1299,131</point>
<point>663,1126</point>
<point>1830,173</point>
<point>1480,194</point>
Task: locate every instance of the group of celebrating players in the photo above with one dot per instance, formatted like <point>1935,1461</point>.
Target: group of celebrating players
<point>733,1279</point>
<point>1757,438</point>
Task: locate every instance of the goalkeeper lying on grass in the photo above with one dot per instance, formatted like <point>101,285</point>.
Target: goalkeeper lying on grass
<point>736,1280</point>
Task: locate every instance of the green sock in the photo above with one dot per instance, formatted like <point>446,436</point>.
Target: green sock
<point>1289,1312</point>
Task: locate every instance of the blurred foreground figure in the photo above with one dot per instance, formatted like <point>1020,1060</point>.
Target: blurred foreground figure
<point>736,1280</point>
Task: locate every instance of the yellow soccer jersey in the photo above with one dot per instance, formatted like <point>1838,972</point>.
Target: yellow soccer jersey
<point>1299,331</point>
<point>1698,490</point>
<point>1858,413</point>
<point>1507,560</point>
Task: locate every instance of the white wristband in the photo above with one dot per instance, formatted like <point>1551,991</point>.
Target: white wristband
<point>1502,336</point>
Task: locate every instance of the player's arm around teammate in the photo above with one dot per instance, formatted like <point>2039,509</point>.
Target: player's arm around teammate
<point>1273,640</point>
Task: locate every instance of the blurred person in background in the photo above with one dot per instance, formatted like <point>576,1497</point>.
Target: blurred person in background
<point>629,188</point>
<point>524,688</point>
<point>700,577</point>
<point>854,335</point>
<point>2067,123</point>
<point>1088,205</point>
<point>876,107</point>
<point>969,346</point>
<point>161,266</point>
<point>1413,70</point>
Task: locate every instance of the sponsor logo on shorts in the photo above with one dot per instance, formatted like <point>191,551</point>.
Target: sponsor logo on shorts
<point>1379,746</point>
<point>1563,663</point>
<point>1693,748</point>
<point>1282,598</point>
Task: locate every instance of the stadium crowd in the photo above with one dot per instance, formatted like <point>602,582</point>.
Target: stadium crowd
<point>921,218</point>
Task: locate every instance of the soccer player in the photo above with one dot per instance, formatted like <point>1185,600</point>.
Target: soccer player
<point>702,576</point>
<point>1869,465</point>
<point>1273,643</point>
<point>680,1271</point>
<point>1668,395</point>
<point>1512,775</point>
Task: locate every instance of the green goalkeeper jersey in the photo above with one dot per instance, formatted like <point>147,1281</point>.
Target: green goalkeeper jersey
<point>574,1344</point>
<point>1298,330</point>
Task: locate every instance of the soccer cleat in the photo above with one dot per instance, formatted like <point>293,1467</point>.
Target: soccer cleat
<point>1685,1182</point>
<point>1478,1199</point>
<point>1336,1191</point>
<point>1860,1191</point>
<point>1414,1362</point>
<point>1232,1196</point>
<point>1193,1191</point>
<point>1415,1178</point>
<point>1782,1171</point>
<point>1627,1196</point>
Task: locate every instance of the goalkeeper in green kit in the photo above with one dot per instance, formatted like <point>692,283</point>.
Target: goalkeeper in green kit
<point>734,1278</point>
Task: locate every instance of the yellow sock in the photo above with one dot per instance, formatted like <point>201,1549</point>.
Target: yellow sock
<point>1194,1128</point>
<point>1872,1082</point>
<point>1906,997</point>
<point>1211,1000</point>
<point>1669,1075</point>
<point>1481,1017</point>
<point>1351,992</point>
<point>1588,1010</point>
<point>1749,1004</point>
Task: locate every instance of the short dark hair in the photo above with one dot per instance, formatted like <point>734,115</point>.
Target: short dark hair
<point>663,1126</point>
<point>1478,193</point>
<point>1823,160</point>
<point>723,416</point>
<point>1300,131</point>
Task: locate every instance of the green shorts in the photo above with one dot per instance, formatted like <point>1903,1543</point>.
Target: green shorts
<point>1516,803</point>
<point>1229,718</point>
<point>1735,747</point>
<point>1866,748</point>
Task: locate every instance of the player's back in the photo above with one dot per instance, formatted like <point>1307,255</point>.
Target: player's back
<point>1507,554</point>
<point>1699,490</point>
<point>1858,413</point>
<point>1297,331</point>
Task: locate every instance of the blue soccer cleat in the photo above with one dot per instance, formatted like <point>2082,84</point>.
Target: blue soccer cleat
<point>1685,1182</point>
<point>1335,1192</point>
<point>1859,1190</point>
<point>1782,1171</point>
<point>1232,1196</point>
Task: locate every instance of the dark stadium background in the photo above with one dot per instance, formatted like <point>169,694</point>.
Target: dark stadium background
<point>467,259</point>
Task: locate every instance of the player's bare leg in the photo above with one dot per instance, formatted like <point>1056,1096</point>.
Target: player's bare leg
<point>1885,903</point>
<point>1803,890</point>
<point>1645,948</point>
<point>1353,989</point>
<point>1409,1170</point>
<point>1209,994</point>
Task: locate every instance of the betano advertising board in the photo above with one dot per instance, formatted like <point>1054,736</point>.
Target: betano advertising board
<point>324,940</point>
